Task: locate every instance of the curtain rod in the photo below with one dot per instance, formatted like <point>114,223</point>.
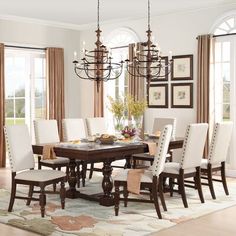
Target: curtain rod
<point>22,47</point>
<point>222,35</point>
<point>120,47</point>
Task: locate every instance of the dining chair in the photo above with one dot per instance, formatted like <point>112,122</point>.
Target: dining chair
<point>217,155</point>
<point>190,164</point>
<point>22,166</point>
<point>75,129</point>
<point>46,132</point>
<point>158,125</point>
<point>96,126</point>
<point>150,179</point>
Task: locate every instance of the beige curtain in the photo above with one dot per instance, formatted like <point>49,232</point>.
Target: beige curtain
<point>2,109</point>
<point>98,99</point>
<point>136,84</point>
<point>55,79</point>
<point>204,90</point>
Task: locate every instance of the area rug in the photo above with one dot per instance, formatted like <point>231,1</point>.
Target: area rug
<point>86,218</point>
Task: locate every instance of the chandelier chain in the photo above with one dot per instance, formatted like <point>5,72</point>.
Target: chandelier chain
<point>149,14</point>
<point>98,10</point>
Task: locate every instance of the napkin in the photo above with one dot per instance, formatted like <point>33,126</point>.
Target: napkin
<point>48,152</point>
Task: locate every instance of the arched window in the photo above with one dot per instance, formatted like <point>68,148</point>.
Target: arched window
<point>224,73</point>
<point>118,41</point>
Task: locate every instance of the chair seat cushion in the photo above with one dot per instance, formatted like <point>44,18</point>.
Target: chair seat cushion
<point>174,167</point>
<point>40,175</point>
<point>58,160</point>
<point>205,162</point>
<point>146,176</point>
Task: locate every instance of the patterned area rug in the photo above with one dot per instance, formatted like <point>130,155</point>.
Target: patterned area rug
<point>85,218</point>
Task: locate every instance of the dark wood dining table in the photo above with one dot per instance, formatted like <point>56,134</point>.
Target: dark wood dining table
<point>94,152</point>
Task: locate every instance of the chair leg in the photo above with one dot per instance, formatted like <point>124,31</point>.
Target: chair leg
<point>134,164</point>
<point>30,194</point>
<point>78,174</point>
<point>182,189</point>
<point>39,163</point>
<point>210,182</point>
<point>117,198</point>
<point>161,194</point>
<point>155,197</point>
<point>91,170</point>
<point>54,185</point>
<point>198,184</point>
<point>42,200</point>
<point>224,178</point>
<point>62,194</point>
<point>84,170</point>
<point>13,194</point>
<point>126,194</point>
<point>171,185</point>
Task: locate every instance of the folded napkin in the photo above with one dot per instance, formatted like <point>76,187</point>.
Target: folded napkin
<point>75,141</point>
<point>152,147</point>
<point>48,152</point>
<point>133,180</point>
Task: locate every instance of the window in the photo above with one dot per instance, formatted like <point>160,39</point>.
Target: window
<point>25,86</point>
<point>224,65</point>
<point>118,41</point>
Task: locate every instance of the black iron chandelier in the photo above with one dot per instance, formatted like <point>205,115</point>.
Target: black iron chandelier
<point>148,62</point>
<point>97,65</point>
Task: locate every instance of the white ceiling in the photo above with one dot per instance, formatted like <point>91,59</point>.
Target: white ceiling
<point>83,12</point>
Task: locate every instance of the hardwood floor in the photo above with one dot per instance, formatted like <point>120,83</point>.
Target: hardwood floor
<point>215,224</point>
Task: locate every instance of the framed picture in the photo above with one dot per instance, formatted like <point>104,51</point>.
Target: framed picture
<point>182,95</point>
<point>163,76</point>
<point>158,96</point>
<point>182,67</point>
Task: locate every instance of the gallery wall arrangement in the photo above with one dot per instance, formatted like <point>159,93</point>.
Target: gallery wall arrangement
<point>180,81</point>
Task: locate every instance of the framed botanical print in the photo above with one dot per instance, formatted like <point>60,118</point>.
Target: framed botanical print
<point>182,95</point>
<point>182,67</point>
<point>163,73</point>
<point>158,96</point>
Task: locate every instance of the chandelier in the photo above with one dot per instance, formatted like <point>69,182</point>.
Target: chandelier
<point>148,62</point>
<point>97,65</point>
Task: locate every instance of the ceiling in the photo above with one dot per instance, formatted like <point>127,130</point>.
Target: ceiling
<point>83,12</point>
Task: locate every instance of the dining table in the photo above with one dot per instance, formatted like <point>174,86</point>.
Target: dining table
<point>96,152</point>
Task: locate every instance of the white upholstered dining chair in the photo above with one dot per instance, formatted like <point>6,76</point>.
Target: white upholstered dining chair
<point>75,129</point>
<point>158,125</point>
<point>22,166</point>
<point>46,132</point>
<point>150,179</point>
<point>96,125</point>
<point>190,163</point>
<point>217,155</point>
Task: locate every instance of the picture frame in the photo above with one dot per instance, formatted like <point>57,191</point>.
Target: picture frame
<point>182,95</point>
<point>182,67</point>
<point>158,96</point>
<point>164,71</point>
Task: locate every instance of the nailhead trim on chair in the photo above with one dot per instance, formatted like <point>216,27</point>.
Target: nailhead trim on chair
<point>161,149</point>
<point>8,148</point>
<point>184,145</point>
<point>212,146</point>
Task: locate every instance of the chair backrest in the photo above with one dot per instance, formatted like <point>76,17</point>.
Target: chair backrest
<point>19,147</point>
<point>194,142</point>
<point>162,149</point>
<point>220,142</point>
<point>160,123</point>
<point>73,129</point>
<point>46,131</point>
<point>96,125</point>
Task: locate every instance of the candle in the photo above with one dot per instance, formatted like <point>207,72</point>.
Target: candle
<point>83,47</point>
<point>75,56</point>
<point>170,54</point>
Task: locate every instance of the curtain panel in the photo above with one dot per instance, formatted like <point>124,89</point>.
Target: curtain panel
<point>204,84</point>
<point>2,109</point>
<point>55,81</point>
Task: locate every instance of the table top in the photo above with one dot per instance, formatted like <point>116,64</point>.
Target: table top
<point>96,151</point>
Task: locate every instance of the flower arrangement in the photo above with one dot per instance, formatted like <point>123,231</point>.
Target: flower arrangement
<point>128,132</point>
<point>135,108</point>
